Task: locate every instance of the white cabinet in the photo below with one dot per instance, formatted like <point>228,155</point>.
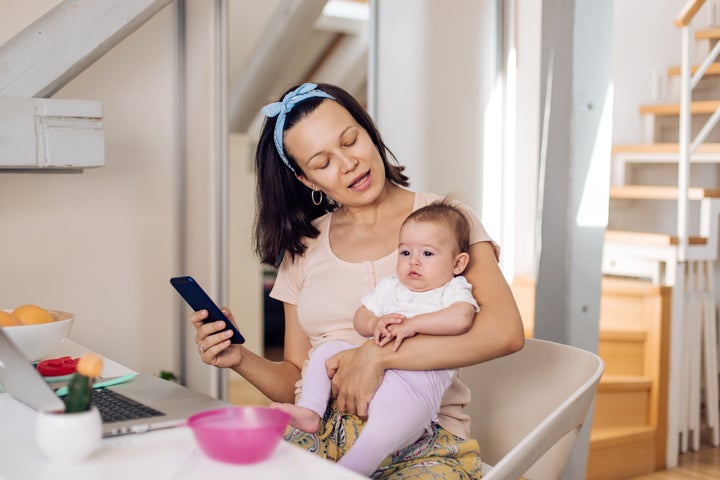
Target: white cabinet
<point>45,133</point>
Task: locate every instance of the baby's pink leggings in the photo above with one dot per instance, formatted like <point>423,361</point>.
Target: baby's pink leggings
<point>399,412</point>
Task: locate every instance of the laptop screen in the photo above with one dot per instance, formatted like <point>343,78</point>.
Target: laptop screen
<point>20,379</point>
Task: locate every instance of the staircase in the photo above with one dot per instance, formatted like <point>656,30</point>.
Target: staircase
<point>682,257</point>
<point>658,301</point>
<point>630,418</point>
<point>629,421</point>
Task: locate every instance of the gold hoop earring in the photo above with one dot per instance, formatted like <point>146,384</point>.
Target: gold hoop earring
<point>312,197</point>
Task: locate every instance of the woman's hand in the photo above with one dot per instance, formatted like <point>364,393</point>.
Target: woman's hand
<point>213,341</point>
<point>356,375</point>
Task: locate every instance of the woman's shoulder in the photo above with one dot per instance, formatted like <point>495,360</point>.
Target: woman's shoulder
<point>425,198</point>
<point>477,230</point>
<point>322,222</point>
<point>297,262</point>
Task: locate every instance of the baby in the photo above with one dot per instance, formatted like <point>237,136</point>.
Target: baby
<point>428,296</point>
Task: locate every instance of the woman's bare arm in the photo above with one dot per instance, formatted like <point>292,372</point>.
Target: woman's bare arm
<point>496,331</point>
<point>364,321</point>
<point>276,380</point>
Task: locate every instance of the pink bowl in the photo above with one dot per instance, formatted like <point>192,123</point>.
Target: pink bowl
<point>239,434</point>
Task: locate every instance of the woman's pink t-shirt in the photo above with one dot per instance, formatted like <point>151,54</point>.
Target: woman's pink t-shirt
<point>328,290</point>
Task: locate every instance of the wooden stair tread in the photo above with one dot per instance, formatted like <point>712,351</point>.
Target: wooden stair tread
<point>710,33</point>
<point>630,286</point>
<point>604,436</point>
<point>699,107</point>
<point>651,148</point>
<point>645,238</point>
<point>655,192</point>
<point>624,383</point>
<point>622,335</point>
<point>713,69</point>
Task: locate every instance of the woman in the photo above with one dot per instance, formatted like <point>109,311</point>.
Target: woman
<point>320,152</point>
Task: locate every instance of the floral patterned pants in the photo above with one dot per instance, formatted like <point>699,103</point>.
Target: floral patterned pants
<point>436,455</point>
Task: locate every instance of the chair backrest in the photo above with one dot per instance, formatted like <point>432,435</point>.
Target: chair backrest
<point>527,408</point>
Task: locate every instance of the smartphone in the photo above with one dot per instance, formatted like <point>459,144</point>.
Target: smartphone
<point>196,297</point>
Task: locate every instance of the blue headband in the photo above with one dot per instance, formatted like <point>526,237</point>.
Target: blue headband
<point>281,109</point>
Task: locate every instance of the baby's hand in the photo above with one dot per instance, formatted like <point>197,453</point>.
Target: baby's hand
<point>401,332</point>
<point>382,333</point>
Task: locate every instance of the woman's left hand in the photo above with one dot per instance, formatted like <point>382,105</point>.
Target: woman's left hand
<point>356,375</point>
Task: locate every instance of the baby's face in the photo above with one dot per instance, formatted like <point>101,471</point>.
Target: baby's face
<point>427,256</point>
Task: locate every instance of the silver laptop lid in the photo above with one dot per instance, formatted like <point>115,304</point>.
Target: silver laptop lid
<point>23,382</point>
<point>20,379</point>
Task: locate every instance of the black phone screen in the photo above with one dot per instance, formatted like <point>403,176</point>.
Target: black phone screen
<point>196,297</point>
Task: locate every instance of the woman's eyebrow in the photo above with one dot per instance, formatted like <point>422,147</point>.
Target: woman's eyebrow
<point>323,151</point>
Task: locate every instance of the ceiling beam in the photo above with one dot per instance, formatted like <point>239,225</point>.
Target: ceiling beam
<point>346,64</point>
<point>289,24</point>
<point>49,53</point>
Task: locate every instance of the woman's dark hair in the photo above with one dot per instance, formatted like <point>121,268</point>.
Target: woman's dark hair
<point>284,207</point>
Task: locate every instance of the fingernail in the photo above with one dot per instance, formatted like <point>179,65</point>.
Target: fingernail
<point>219,324</point>
<point>228,333</point>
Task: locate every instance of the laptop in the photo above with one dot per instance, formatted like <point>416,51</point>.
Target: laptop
<point>155,403</point>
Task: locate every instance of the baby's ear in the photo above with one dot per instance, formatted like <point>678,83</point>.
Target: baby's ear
<point>461,261</point>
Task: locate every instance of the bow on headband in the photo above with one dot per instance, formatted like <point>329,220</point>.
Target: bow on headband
<point>282,108</point>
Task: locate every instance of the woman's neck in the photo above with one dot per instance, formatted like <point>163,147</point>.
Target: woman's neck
<point>391,200</point>
<point>370,232</point>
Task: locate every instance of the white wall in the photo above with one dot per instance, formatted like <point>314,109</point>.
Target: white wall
<point>435,75</point>
<point>245,279</point>
<point>102,244</point>
<point>527,133</point>
<point>643,51</point>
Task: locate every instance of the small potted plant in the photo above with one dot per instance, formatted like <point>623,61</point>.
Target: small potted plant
<point>72,435</point>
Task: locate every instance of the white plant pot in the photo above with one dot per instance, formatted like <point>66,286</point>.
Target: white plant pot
<point>68,437</point>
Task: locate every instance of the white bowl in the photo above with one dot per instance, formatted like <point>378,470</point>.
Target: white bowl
<point>39,341</point>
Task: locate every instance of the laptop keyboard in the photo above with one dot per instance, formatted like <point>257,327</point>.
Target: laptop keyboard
<point>115,407</point>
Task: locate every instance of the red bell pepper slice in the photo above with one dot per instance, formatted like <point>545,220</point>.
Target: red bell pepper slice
<point>54,367</point>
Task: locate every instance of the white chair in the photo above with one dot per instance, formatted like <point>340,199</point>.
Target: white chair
<point>527,408</point>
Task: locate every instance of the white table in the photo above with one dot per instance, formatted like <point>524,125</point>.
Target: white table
<point>162,454</point>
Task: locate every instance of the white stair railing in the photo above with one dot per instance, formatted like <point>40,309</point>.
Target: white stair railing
<point>688,81</point>
<point>684,141</point>
<point>700,319</point>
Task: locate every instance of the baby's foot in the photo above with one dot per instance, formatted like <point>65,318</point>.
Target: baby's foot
<point>300,417</point>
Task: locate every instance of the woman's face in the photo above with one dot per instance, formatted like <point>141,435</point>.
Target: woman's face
<point>336,155</point>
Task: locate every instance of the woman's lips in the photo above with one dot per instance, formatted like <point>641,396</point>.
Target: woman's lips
<point>360,182</point>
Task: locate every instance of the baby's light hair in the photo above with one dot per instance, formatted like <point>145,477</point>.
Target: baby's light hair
<point>447,213</point>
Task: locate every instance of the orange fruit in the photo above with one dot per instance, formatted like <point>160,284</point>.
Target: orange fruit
<point>32,315</point>
<point>8,319</point>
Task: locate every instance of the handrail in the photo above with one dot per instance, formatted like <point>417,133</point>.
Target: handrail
<point>687,13</point>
